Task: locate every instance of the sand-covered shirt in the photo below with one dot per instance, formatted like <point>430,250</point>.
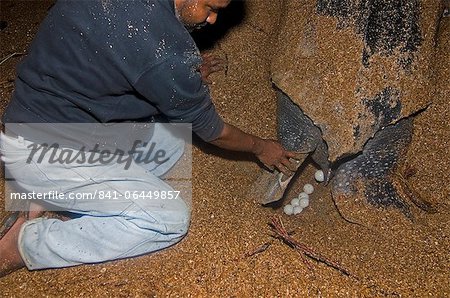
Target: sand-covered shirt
<point>113,61</point>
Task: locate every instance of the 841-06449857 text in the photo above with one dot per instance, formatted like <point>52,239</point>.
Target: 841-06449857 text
<point>98,194</point>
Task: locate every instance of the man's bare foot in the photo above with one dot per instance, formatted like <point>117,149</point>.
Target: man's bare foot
<point>35,211</point>
<point>10,259</point>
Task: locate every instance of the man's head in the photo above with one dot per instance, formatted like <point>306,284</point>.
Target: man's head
<point>197,13</point>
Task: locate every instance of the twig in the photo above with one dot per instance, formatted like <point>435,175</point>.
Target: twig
<point>342,215</point>
<point>411,193</point>
<point>259,249</point>
<point>15,54</point>
<point>279,229</point>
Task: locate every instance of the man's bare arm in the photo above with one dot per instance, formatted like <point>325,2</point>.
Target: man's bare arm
<point>269,152</point>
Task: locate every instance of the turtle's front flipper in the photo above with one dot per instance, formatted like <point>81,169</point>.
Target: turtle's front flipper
<point>370,177</point>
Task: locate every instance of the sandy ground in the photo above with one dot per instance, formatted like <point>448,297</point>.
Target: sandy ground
<point>387,254</point>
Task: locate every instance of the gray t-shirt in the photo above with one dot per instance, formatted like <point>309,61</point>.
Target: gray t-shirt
<point>113,61</point>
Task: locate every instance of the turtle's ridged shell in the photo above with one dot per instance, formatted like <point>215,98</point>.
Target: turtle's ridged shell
<point>355,67</point>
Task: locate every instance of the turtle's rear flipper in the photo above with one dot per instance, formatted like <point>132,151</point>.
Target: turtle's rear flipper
<point>370,177</point>
<point>270,187</point>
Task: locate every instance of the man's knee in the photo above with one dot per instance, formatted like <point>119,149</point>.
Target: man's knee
<point>181,218</point>
<point>163,229</point>
<point>171,218</point>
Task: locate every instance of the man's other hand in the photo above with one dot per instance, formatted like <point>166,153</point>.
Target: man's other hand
<point>210,65</point>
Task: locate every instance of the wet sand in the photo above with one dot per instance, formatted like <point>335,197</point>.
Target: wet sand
<point>387,254</point>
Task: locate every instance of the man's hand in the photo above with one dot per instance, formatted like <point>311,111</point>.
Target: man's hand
<point>210,64</point>
<point>272,154</point>
<point>269,152</point>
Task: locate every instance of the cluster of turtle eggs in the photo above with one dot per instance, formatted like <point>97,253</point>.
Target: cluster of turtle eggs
<point>302,201</point>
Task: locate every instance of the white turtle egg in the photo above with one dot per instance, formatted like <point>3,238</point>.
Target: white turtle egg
<point>303,195</point>
<point>295,202</point>
<point>288,209</point>
<point>304,203</point>
<point>308,188</point>
<point>319,176</point>
<point>297,210</point>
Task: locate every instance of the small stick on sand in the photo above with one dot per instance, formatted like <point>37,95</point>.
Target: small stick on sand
<point>259,249</point>
<point>401,181</point>
<point>11,56</point>
<point>281,233</point>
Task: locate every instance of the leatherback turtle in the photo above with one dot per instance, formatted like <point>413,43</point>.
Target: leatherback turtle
<point>351,75</point>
